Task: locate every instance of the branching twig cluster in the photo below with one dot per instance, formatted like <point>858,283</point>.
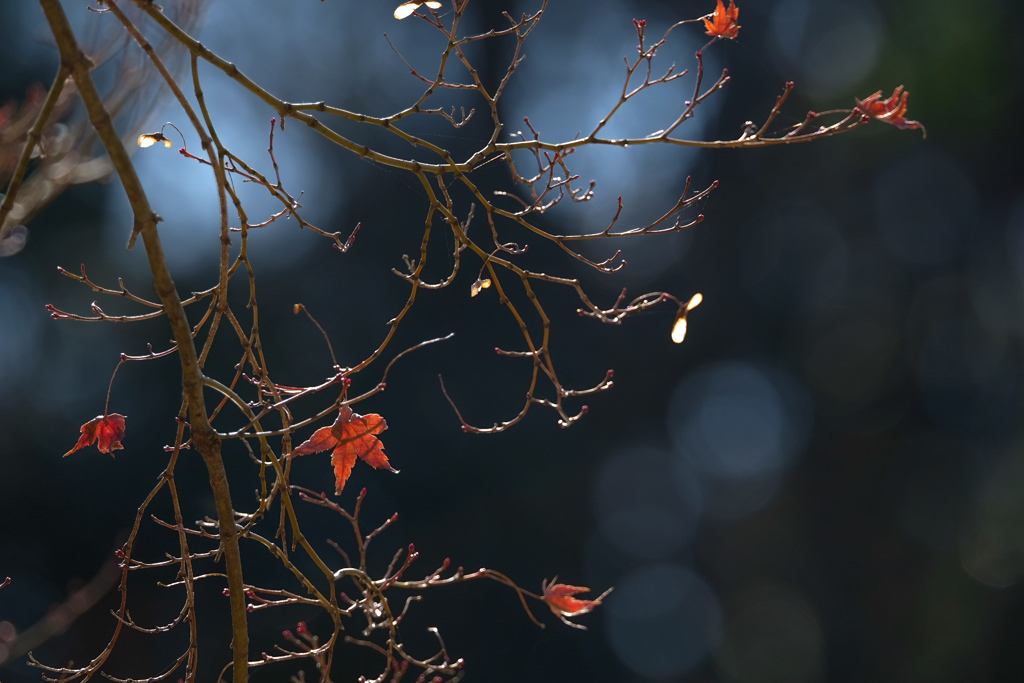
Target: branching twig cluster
<point>540,176</point>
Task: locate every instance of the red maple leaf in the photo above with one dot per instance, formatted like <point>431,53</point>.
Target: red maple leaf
<point>106,431</point>
<point>889,110</point>
<point>722,23</point>
<point>351,436</point>
<point>559,597</point>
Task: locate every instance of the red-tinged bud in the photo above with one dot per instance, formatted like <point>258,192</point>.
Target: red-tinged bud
<point>265,656</point>
<point>394,518</point>
<point>301,627</point>
<point>461,570</point>
<point>250,593</point>
<point>362,494</point>
<point>611,373</point>
<point>465,428</point>
<point>61,270</point>
<point>447,561</point>
<point>273,120</point>
<point>183,152</point>
<point>249,607</point>
<point>226,591</point>
<point>119,554</point>
<point>346,381</point>
<point>412,548</point>
<point>50,307</point>
<point>790,84</point>
<point>287,634</point>
<point>725,73</point>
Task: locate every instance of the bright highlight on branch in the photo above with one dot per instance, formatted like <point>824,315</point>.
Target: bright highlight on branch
<point>407,8</point>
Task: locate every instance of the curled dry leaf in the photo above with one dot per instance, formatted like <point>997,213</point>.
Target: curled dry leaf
<point>889,110</point>
<point>481,283</point>
<point>559,598</point>
<point>106,431</point>
<point>351,436</point>
<point>722,23</point>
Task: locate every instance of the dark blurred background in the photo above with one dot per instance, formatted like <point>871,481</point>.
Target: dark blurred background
<point>825,482</point>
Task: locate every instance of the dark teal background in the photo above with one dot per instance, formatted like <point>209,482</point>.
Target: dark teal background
<point>881,274</point>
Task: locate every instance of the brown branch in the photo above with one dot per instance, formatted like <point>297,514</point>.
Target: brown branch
<point>74,59</point>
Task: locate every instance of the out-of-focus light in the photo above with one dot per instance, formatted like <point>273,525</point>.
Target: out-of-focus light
<point>640,508</point>
<point>993,548</point>
<point>737,424</point>
<point>772,636</point>
<point>662,620</point>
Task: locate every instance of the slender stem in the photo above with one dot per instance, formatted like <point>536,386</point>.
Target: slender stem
<point>204,437</point>
<point>34,136</point>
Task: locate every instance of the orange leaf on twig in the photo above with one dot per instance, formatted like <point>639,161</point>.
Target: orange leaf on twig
<point>722,23</point>
<point>889,110</point>
<point>351,436</point>
<point>106,431</point>
<point>559,597</point>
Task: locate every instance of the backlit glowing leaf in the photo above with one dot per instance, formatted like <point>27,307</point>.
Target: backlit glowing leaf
<point>475,288</point>
<point>722,23</point>
<point>890,110</point>
<point>351,436</point>
<point>559,598</point>
<point>407,8</point>
<point>679,328</point>
<point>150,139</point>
<point>106,431</point>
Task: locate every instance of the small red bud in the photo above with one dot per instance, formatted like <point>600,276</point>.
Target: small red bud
<point>226,591</point>
<point>287,634</point>
<point>301,627</point>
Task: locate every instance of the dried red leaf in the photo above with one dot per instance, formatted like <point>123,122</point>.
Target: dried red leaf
<point>889,110</point>
<point>106,431</point>
<point>351,436</point>
<point>722,23</point>
<point>559,598</point>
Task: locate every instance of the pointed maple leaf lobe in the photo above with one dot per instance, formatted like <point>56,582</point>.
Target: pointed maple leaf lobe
<point>351,436</point>
<point>722,23</point>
